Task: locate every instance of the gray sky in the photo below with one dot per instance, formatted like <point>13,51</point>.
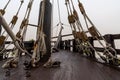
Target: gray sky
<point>105,14</point>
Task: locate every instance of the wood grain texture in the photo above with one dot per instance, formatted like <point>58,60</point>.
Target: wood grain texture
<point>73,67</point>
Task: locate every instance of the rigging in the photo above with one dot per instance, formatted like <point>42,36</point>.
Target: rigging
<point>11,25</point>
<point>81,34</point>
<point>61,27</point>
<point>3,10</point>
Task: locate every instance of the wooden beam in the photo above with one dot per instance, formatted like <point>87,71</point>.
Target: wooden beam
<point>63,36</point>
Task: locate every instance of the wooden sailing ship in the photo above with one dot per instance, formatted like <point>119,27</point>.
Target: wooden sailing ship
<point>40,63</point>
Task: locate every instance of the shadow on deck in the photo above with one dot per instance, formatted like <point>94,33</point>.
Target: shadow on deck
<point>73,67</point>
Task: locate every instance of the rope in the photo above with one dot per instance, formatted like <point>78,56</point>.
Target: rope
<point>6,5</point>
<point>74,16</point>
<point>15,18</point>
<point>59,11</point>
<point>41,35</point>
<point>52,18</point>
<point>19,43</point>
<point>22,1</point>
<point>27,18</point>
<point>72,5</point>
<point>16,40</point>
<point>69,7</point>
<point>23,26</point>
<point>78,23</point>
<point>12,24</point>
<point>87,18</point>
<point>3,10</point>
<point>71,18</point>
<point>40,48</point>
<point>60,23</point>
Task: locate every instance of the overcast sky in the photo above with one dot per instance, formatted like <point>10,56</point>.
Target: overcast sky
<point>105,14</point>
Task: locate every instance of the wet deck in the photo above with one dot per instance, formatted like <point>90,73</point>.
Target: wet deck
<point>73,67</point>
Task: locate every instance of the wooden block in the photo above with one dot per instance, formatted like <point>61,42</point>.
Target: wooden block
<point>93,32</point>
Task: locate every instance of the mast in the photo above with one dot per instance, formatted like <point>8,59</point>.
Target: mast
<point>0,26</point>
<point>46,27</point>
<point>1,55</point>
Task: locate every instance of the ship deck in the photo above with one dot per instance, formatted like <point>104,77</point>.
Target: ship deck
<point>73,67</point>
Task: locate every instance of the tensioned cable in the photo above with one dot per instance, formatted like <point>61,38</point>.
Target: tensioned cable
<point>40,41</point>
<point>12,24</point>
<point>3,10</point>
<point>6,5</point>
<point>28,15</point>
<point>79,25</point>
<point>60,23</point>
<point>15,18</point>
<point>40,33</point>
<point>99,34</point>
<point>29,6</point>
<point>87,18</point>
<point>76,17</point>
<point>82,29</point>
<point>59,11</point>
<point>23,26</point>
<point>52,18</point>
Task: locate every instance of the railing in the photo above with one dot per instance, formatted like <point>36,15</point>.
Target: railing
<point>27,44</point>
<point>70,43</point>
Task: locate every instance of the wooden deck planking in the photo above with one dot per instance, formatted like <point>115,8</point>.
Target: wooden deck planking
<point>73,67</point>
